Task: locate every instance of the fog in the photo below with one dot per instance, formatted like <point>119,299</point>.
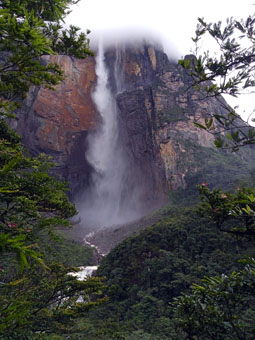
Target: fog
<point>170,23</point>
<point>174,21</point>
<point>133,36</point>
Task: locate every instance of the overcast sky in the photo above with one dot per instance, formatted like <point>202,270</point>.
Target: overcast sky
<point>173,21</point>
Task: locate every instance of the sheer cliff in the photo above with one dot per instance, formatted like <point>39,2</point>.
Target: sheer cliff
<point>156,107</point>
<point>57,122</point>
<point>159,105</point>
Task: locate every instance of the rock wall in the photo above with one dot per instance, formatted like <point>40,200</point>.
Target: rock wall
<point>57,122</point>
<point>156,107</point>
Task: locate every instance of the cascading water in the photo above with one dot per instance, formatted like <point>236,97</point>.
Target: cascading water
<point>84,272</point>
<point>106,202</point>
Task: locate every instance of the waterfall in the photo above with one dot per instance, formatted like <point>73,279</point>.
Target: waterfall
<point>106,201</point>
<point>82,275</point>
<point>84,272</point>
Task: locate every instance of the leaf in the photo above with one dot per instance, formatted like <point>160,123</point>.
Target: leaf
<point>239,26</point>
<point>11,164</point>
<point>22,260</point>
<point>42,263</point>
<point>229,136</point>
<point>235,136</point>
<point>185,63</point>
<point>8,191</point>
<point>200,125</point>
<point>220,119</point>
<point>17,282</point>
<point>251,133</point>
<point>248,210</point>
<point>208,123</point>
<point>218,142</point>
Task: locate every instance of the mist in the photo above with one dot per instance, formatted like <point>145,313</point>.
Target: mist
<point>109,199</point>
<point>134,36</point>
<point>164,25</point>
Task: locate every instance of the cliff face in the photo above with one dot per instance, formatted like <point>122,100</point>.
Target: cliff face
<point>57,122</point>
<point>158,107</point>
<point>156,112</point>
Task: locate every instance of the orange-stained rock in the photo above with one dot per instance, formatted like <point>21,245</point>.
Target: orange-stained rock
<point>68,110</point>
<point>56,122</point>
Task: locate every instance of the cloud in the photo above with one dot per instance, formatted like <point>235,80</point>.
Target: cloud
<point>173,21</point>
<point>170,23</point>
<point>133,35</point>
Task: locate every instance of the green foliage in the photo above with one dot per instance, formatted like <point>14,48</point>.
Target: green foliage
<point>230,72</point>
<point>231,212</point>
<point>21,44</point>
<point>67,252</point>
<point>45,301</point>
<point>141,335</point>
<point>68,41</point>
<point>39,299</point>
<point>29,30</point>
<point>37,296</point>
<point>47,10</point>
<point>31,201</point>
<point>145,272</point>
<point>221,307</point>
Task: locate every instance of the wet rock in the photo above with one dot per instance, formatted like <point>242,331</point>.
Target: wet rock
<point>57,122</point>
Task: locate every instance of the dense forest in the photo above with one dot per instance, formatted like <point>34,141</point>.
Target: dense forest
<point>189,276</point>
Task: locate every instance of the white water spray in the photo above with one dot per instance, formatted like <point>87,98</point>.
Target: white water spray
<point>105,201</point>
<point>84,272</point>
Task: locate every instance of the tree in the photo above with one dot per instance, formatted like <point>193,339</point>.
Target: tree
<point>222,307</point>
<point>29,30</point>
<point>46,302</point>
<point>230,72</point>
<point>37,296</point>
<point>31,200</point>
<point>232,212</point>
<point>28,194</point>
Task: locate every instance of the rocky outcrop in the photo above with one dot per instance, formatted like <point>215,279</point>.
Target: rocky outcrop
<point>57,122</point>
<point>147,165</point>
<point>158,106</point>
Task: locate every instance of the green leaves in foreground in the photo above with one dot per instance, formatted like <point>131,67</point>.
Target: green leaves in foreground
<point>37,295</point>
<point>231,212</point>
<point>229,72</point>
<point>31,201</point>
<point>222,307</point>
<point>38,298</point>
<point>45,302</point>
<point>28,31</point>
